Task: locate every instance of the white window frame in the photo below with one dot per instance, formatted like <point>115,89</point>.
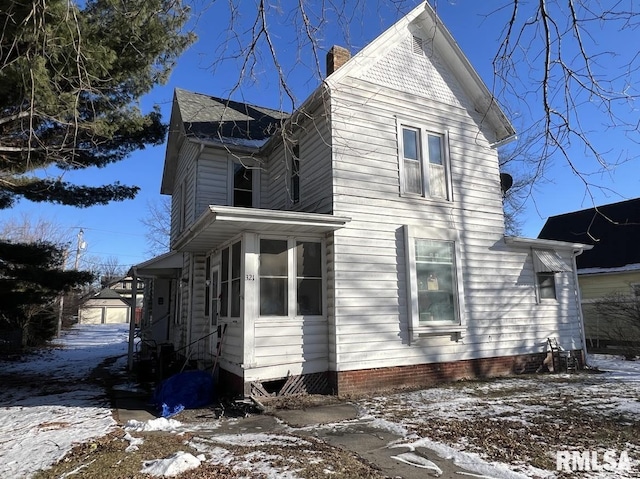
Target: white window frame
<point>255,181</point>
<point>547,262</point>
<point>539,297</point>
<point>423,153</point>
<point>413,233</point>
<point>292,279</point>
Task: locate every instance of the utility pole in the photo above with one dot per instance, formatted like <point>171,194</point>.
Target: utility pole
<point>81,245</point>
<point>65,255</point>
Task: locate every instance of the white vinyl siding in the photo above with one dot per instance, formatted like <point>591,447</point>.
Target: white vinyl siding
<point>183,198</point>
<point>369,284</point>
<point>314,178</point>
<point>212,188</point>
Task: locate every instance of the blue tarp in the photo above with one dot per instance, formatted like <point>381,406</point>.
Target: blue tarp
<point>186,390</point>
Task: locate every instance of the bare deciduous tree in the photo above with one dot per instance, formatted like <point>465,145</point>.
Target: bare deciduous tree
<point>157,222</point>
<point>25,229</point>
<point>620,313</point>
<point>553,69</point>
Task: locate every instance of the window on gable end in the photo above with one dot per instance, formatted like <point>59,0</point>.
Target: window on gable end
<point>424,163</point>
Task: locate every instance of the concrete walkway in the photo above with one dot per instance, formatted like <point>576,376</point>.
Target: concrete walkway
<point>339,425</point>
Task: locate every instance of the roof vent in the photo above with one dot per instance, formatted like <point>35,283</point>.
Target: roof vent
<point>417,45</point>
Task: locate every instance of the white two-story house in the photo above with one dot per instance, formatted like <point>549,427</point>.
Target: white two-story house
<point>357,243</point>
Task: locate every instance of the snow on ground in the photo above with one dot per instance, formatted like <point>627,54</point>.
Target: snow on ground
<point>51,408</point>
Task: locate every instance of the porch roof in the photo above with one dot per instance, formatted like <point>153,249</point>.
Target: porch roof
<point>165,265</point>
<point>219,224</point>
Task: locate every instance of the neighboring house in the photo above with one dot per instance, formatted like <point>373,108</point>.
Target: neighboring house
<point>612,266</point>
<point>357,243</point>
<point>112,304</point>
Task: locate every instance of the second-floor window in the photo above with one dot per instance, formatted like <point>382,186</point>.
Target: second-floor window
<point>295,174</point>
<point>423,162</point>
<point>242,186</point>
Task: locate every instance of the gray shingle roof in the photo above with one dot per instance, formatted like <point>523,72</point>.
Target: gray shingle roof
<point>210,118</point>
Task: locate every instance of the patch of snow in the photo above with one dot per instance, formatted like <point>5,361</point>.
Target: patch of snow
<point>134,442</point>
<point>158,424</point>
<point>470,461</point>
<point>259,439</point>
<point>173,465</point>
<point>48,410</point>
<point>415,460</point>
<point>617,269</point>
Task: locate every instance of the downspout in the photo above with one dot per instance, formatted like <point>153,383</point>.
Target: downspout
<point>132,317</point>
<point>578,295</point>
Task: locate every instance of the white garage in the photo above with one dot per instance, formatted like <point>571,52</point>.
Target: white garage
<point>106,307</point>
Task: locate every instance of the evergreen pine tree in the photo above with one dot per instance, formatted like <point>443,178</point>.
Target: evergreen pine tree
<point>71,73</point>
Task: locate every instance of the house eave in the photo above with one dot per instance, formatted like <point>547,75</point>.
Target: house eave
<point>483,100</point>
<point>219,224</point>
<point>518,241</point>
<point>165,265</point>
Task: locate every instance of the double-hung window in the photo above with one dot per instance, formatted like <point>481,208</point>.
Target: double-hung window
<point>424,162</point>
<point>434,281</point>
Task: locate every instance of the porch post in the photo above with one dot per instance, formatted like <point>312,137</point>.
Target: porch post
<point>132,316</point>
<point>251,301</point>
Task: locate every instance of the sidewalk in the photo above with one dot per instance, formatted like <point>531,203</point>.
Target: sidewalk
<point>339,425</point>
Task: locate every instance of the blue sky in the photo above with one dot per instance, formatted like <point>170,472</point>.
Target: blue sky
<point>115,230</point>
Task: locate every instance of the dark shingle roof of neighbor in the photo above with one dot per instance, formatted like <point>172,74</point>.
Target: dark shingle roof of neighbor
<point>210,118</point>
<point>613,230</point>
<point>107,293</point>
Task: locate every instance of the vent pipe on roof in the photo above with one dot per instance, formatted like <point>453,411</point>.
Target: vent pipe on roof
<point>336,57</point>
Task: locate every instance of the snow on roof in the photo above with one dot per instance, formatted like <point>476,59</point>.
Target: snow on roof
<point>619,269</point>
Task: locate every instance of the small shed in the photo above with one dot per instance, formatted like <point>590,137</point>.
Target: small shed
<point>105,307</point>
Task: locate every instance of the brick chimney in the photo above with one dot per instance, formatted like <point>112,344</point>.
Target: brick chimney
<point>337,57</point>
